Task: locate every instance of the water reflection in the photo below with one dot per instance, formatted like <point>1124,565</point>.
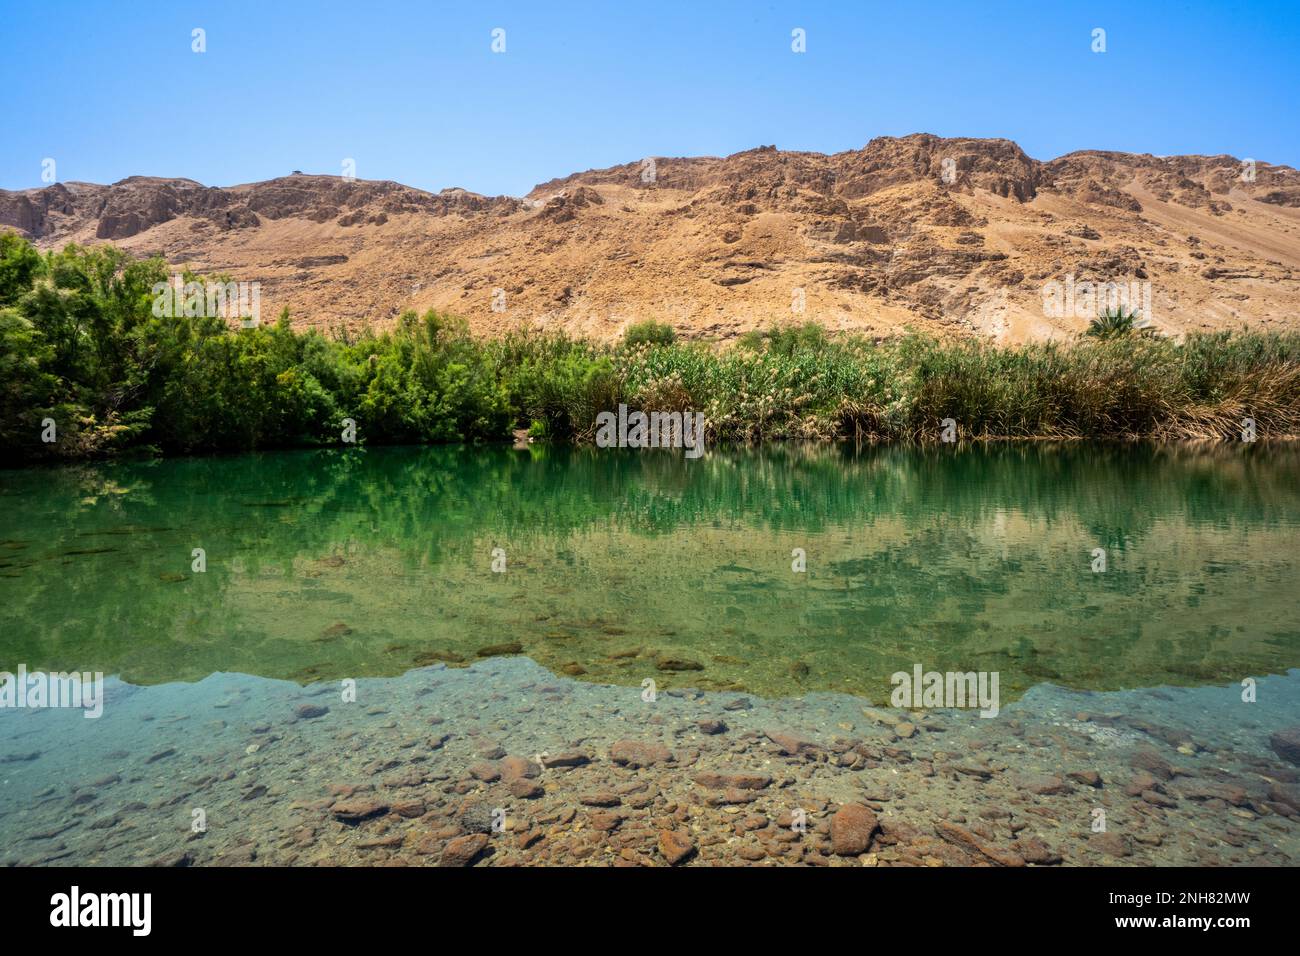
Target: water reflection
<point>627,565</point>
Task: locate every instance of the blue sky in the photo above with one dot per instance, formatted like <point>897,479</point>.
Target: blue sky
<point>413,92</point>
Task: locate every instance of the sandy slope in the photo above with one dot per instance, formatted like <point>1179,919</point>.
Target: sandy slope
<point>955,236</point>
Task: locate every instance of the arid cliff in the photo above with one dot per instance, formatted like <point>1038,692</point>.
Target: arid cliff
<point>953,236</point>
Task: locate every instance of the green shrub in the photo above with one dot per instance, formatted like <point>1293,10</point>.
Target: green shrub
<point>786,339</point>
<point>649,332</point>
<point>80,344</point>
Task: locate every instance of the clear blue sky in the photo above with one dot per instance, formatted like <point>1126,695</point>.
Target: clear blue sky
<point>413,92</point>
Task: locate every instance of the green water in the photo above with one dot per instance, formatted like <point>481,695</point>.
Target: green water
<point>627,565</point>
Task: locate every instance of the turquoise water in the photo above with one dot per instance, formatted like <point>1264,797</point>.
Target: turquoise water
<point>367,563</point>
<point>361,584</point>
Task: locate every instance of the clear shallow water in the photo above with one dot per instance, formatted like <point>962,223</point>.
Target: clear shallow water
<point>123,789</point>
<point>376,565</point>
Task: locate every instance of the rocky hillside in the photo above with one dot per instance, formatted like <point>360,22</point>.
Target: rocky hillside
<point>956,236</point>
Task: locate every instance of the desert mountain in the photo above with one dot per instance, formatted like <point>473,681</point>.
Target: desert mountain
<point>955,236</point>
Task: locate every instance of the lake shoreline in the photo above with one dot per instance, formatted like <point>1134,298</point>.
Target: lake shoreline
<point>524,443</point>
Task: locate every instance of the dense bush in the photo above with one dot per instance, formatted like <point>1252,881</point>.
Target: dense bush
<point>81,345</point>
<point>786,339</point>
<point>649,332</point>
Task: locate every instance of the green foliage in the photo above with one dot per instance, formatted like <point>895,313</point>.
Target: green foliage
<point>429,381</point>
<point>19,263</point>
<point>556,381</point>
<point>1115,323</point>
<point>649,332</point>
<point>786,339</point>
<point>28,393</point>
<point>81,343</point>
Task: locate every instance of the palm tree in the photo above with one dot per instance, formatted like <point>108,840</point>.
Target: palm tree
<point>1115,323</point>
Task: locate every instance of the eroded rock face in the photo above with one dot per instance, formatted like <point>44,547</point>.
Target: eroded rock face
<point>949,235</point>
<point>37,212</point>
<point>998,165</point>
<point>138,203</point>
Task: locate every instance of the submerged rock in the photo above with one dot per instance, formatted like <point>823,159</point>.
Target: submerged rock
<point>463,851</point>
<point>634,754</point>
<point>174,858</point>
<point>791,744</point>
<point>485,772</point>
<point>476,817</point>
<point>1089,778</point>
<point>1152,763</point>
<point>1286,795</point>
<point>676,846</point>
<point>851,829</point>
<point>1111,844</point>
<point>524,789</point>
<point>1141,782</point>
<point>518,768</point>
<point>566,760</point>
<point>960,836</point>
<point>1286,744</point>
<point>499,650</point>
<point>353,811</point>
<point>1036,851</point>
<point>738,781</point>
<point>409,808</point>
<point>678,664</point>
<point>1043,784</point>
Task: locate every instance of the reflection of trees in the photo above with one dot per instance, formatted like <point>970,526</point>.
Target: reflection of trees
<point>273,512</point>
<point>548,490</point>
